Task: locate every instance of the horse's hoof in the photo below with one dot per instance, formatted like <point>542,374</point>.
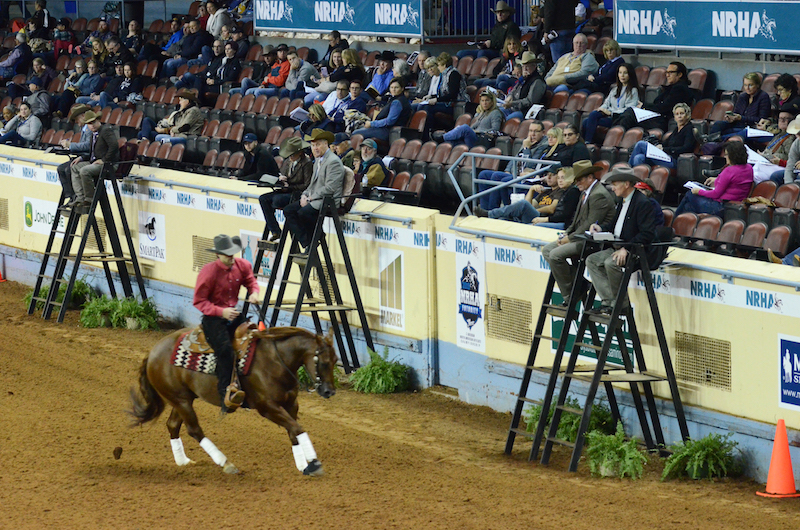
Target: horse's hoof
<point>230,468</point>
<point>188,462</point>
<point>314,469</point>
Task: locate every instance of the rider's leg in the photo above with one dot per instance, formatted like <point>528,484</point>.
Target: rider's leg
<point>216,331</point>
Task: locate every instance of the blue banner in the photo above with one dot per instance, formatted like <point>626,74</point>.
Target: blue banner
<point>717,26</point>
<point>400,18</point>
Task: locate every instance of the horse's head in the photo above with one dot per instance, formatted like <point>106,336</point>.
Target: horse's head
<point>320,364</point>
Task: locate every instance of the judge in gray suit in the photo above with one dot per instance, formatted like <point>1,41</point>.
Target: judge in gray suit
<point>327,180</point>
<point>595,205</point>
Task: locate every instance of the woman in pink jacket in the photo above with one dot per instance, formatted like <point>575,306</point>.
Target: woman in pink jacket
<point>733,184</point>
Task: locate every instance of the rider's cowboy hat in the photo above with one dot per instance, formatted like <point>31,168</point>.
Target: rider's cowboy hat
<point>503,6</point>
<point>528,57</point>
<point>583,168</point>
<point>229,246</point>
<point>319,134</point>
<point>622,174</point>
<point>291,146</point>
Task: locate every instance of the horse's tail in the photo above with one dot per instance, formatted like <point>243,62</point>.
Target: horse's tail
<point>147,404</point>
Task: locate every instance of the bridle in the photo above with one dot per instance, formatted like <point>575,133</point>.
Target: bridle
<point>317,378</point>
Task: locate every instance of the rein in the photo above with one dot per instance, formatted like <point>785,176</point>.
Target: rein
<point>317,379</point>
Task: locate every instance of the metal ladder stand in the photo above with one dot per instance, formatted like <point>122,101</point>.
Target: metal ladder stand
<point>326,273</point>
<point>62,255</point>
<point>632,374</point>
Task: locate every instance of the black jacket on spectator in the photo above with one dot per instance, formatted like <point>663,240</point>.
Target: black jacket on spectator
<point>501,31</point>
<point>572,153</point>
<point>193,44</point>
<point>642,229</point>
<point>258,163</point>
<point>559,15</point>
<point>343,45</point>
<point>405,113</point>
<point>241,51</point>
<point>230,72</point>
<point>670,96</point>
<point>113,85</point>
<point>349,72</point>
<point>680,142</point>
<point>124,55</point>
<point>565,209</point>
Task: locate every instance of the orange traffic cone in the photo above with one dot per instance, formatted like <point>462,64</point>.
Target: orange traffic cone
<point>261,326</point>
<point>1,277</point>
<point>780,481</point>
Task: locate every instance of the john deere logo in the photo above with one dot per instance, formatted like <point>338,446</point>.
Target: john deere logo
<point>28,214</point>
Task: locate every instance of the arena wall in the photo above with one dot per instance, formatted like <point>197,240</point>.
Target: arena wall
<point>469,331</point>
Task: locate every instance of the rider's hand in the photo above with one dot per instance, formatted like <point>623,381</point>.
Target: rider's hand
<point>229,313</point>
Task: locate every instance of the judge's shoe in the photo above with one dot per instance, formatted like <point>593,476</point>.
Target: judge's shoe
<point>275,236</point>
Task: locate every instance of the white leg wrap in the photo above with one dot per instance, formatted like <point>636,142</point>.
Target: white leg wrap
<point>308,449</point>
<point>177,452</point>
<point>299,457</point>
<point>215,454</point>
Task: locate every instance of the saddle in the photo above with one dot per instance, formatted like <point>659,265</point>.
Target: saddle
<point>195,341</point>
<point>193,352</point>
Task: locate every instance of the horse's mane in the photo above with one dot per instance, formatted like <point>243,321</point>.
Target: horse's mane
<point>282,333</point>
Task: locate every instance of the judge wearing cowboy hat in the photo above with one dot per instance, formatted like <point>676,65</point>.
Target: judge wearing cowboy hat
<point>327,180</point>
<point>633,222</point>
<point>595,204</point>
<point>216,294</point>
<point>294,178</point>
<point>504,28</point>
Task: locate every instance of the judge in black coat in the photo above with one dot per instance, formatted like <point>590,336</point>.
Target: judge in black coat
<point>633,222</point>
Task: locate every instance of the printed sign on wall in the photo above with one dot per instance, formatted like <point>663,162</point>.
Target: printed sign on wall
<point>152,237</point>
<point>392,294</point>
<point>471,284</point>
<point>39,216</point>
<point>789,371</point>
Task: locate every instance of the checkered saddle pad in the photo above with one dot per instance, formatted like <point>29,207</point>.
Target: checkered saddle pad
<point>193,352</point>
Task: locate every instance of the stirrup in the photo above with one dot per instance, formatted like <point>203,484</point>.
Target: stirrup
<point>233,397</point>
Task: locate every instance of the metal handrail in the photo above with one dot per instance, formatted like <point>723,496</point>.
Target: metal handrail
<point>204,189</point>
<point>34,161</point>
<point>549,166</point>
<point>732,275</point>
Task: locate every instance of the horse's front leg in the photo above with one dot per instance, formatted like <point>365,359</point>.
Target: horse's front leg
<point>174,426</point>
<point>305,457</point>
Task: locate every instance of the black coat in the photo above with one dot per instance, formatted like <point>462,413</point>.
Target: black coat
<point>639,226</point>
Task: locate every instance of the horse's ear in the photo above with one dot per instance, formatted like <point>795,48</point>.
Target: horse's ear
<point>329,336</point>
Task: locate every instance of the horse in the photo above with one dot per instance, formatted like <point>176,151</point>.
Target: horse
<point>271,388</point>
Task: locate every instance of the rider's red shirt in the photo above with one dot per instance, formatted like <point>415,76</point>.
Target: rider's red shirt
<point>218,286</point>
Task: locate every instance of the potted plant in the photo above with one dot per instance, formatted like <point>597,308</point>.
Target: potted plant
<point>380,376</point>
<point>707,457</point>
<point>97,312</point>
<point>133,313</point>
<point>610,455</point>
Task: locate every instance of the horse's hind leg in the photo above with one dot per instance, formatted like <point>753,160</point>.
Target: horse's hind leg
<point>185,411</point>
<point>174,427</point>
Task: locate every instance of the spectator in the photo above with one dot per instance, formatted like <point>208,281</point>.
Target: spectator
<point>559,26</point>
<point>541,199</point>
<point>527,91</point>
<point>681,141</point>
<point>751,106</point>
<point>624,94</point>
<point>99,56</point>
<point>102,33</point>
<point>649,188</point>
<point>174,129</point>
<point>572,68</point>
<point>217,18</point>
<point>275,79</point>
<point>429,87</point>
<point>423,76</point>
<point>191,48</point>
<point>595,205</point>
<point>40,70</point>
<point>778,148</point>
<point>533,147</point>
<point>317,119</point>
<point>733,184</point>
<point>43,20</point>
<point>81,147</point>
<point>117,52</point>
<point>63,38</point>
<point>258,160</point>
<point>134,40</point>
<point>202,16</point>
<point>104,149</point>
<point>452,89</point>
<point>23,129</point>
<point>607,74</point>
<point>350,68</point>
<point>336,102</point>
<point>793,162</point>
<point>327,85</point>
<point>400,69</point>
<point>335,42</point>
<point>95,94</point>
<point>173,45</point>
<point>294,178</point>
<point>788,99</point>
<point>504,28</point>
<point>196,81</point>
<point>238,36</point>
<point>18,60</point>
<point>485,125</point>
<point>396,112</point>
<point>223,70</point>
<point>327,181</point>
<point>39,99</point>
<point>633,222</point>
<point>555,144</point>
<point>502,75</point>
<point>676,91</point>
<point>564,210</point>
<point>118,89</point>
<point>379,84</point>
<point>301,74</point>
<point>371,171</point>
<point>574,147</point>
<point>343,148</point>
<point>9,111</point>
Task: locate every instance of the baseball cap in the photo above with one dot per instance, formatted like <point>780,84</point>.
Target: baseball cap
<point>250,137</point>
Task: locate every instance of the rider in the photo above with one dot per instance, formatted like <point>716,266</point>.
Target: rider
<point>216,295</point>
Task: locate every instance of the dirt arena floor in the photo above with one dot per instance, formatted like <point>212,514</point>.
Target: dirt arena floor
<point>409,461</point>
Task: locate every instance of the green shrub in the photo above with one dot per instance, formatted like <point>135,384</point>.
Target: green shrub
<point>81,293</point>
<point>97,312</point>
<point>710,456</point>
<point>611,455</point>
<point>600,419</point>
<point>144,312</point>
<point>380,376</point>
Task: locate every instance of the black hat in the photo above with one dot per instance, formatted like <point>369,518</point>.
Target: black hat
<point>386,55</point>
<point>281,47</point>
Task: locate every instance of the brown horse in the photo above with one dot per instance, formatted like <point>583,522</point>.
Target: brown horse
<point>271,388</point>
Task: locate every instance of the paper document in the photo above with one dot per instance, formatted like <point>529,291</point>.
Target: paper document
<point>309,89</point>
<point>692,185</point>
<point>534,111</point>
<point>657,154</point>
<point>755,158</point>
<point>472,43</point>
<point>757,133</point>
<point>516,197</point>
<point>642,114</point>
<point>299,114</point>
<point>600,236</point>
<point>372,92</point>
<point>268,179</point>
<point>387,160</point>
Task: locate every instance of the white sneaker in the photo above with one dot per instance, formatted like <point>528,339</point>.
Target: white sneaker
<point>174,79</point>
